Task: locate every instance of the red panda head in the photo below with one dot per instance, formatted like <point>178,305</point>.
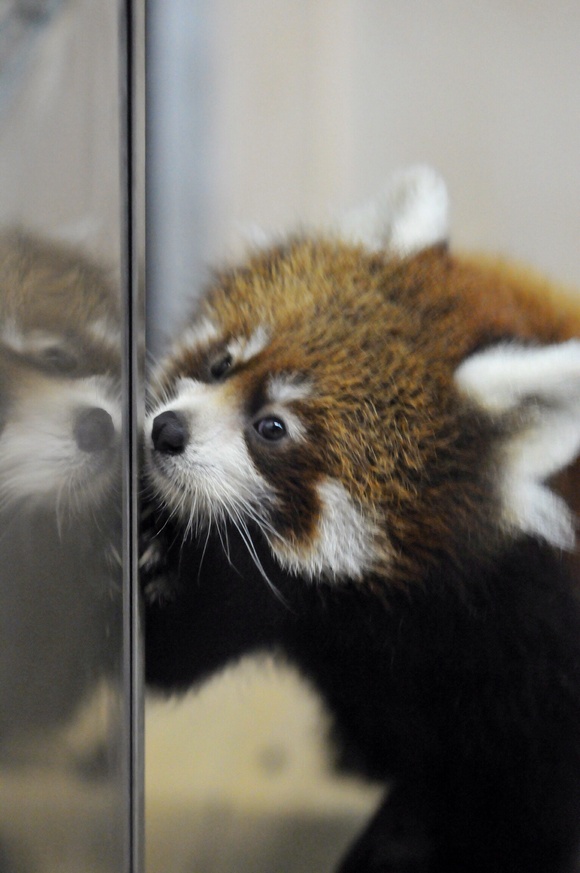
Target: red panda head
<point>59,378</point>
<point>367,401</point>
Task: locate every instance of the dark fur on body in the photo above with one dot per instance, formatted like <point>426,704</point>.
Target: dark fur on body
<point>434,690</point>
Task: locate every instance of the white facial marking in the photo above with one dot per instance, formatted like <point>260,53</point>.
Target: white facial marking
<point>542,385</point>
<point>30,342</point>
<point>40,460</point>
<point>200,333</point>
<point>242,349</point>
<point>105,333</point>
<point>214,478</point>
<point>344,546</point>
<point>412,215</point>
<point>286,388</point>
<point>12,336</point>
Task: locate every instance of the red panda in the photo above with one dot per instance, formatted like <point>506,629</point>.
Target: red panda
<point>60,420</point>
<point>361,453</point>
<point>59,377</point>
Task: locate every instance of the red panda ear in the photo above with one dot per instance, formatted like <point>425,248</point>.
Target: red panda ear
<point>535,393</point>
<point>411,215</point>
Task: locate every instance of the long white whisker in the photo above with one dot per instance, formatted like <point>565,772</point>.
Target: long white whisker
<point>242,529</point>
<point>203,552</point>
<point>222,532</point>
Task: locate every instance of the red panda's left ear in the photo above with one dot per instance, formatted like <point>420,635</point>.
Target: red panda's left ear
<point>411,215</point>
<point>535,393</point>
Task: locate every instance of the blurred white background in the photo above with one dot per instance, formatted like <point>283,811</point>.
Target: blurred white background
<point>276,112</point>
<point>279,111</point>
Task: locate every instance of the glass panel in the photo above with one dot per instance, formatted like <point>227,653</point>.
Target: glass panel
<point>66,656</point>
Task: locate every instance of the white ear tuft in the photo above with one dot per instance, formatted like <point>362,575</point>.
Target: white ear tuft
<point>411,215</point>
<point>538,389</point>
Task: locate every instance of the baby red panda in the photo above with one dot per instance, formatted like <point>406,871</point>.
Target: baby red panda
<point>60,421</point>
<point>361,453</point>
<point>59,376</point>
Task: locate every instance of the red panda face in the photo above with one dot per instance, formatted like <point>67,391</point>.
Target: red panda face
<point>59,377</point>
<point>59,439</point>
<point>239,440</point>
<point>322,395</point>
<point>316,419</point>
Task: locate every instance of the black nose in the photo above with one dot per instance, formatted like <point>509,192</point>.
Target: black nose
<point>169,433</point>
<point>94,429</point>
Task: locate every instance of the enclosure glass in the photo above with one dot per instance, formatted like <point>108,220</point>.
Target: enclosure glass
<point>67,411</point>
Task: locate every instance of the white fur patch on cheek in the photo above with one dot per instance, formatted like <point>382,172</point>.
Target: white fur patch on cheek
<point>40,459</point>
<point>537,392</point>
<point>345,541</point>
<point>345,544</point>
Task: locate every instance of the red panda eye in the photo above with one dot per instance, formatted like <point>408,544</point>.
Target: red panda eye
<point>270,428</point>
<point>59,359</point>
<point>220,366</point>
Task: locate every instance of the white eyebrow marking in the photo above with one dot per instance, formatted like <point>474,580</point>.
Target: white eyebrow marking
<point>12,336</point>
<point>105,332</point>
<point>242,349</point>
<point>285,388</point>
<point>27,342</point>
<point>199,333</point>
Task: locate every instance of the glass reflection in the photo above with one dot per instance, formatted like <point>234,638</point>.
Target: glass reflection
<point>61,602</point>
<point>64,790</point>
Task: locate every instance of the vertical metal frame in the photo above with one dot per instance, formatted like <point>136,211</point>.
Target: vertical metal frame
<point>134,393</point>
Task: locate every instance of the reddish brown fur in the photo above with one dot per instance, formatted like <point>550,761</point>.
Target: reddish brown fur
<point>51,287</point>
<point>380,339</point>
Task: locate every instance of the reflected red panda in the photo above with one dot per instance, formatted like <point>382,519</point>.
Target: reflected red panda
<point>60,420</point>
<point>59,377</point>
<point>361,453</point>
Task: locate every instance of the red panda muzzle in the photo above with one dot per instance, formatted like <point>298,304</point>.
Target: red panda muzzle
<point>169,433</point>
<point>94,430</point>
